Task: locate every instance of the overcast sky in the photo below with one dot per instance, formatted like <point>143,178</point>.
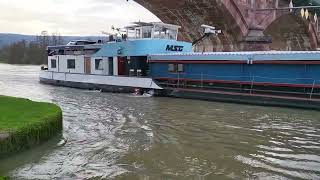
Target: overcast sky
<point>69,17</point>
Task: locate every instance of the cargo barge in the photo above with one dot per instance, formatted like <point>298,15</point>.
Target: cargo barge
<point>267,78</point>
<point>149,58</point>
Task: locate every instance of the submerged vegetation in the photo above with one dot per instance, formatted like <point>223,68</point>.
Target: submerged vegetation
<point>24,123</point>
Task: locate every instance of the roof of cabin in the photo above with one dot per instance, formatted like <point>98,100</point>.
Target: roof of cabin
<point>145,24</point>
<point>68,47</point>
<point>253,55</point>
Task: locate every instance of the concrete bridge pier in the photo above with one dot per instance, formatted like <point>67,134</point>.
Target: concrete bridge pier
<point>256,40</point>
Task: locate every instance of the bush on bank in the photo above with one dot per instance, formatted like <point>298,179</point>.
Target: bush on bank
<point>4,178</point>
<point>25,123</point>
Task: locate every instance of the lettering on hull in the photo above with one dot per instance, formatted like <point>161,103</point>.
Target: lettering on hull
<point>174,48</point>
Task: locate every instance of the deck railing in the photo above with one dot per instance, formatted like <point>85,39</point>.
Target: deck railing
<point>248,84</point>
<point>309,87</point>
<point>52,73</point>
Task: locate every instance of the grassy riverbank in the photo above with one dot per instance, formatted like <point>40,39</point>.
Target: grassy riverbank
<point>24,123</point>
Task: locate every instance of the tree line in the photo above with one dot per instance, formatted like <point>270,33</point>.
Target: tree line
<point>33,52</point>
<point>308,3</point>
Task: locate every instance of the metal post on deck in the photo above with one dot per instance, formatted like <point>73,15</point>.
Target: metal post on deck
<point>178,79</point>
<point>201,80</point>
<point>314,83</point>
<point>252,85</point>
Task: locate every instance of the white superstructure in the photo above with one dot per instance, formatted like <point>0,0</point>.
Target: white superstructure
<point>121,62</point>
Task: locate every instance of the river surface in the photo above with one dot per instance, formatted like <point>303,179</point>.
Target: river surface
<point>121,136</point>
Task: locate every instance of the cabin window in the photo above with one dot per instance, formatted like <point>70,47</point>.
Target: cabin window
<point>138,31</point>
<point>180,68</point>
<point>98,64</point>
<point>175,68</point>
<point>171,67</point>
<point>71,63</point>
<point>53,63</point>
<point>146,33</point>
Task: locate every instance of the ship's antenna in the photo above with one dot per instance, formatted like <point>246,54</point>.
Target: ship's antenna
<point>208,30</point>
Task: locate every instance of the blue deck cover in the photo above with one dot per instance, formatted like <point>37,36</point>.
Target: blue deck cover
<point>256,55</point>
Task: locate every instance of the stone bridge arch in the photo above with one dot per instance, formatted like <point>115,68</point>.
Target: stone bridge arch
<point>291,32</point>
<point>191,14</point>
<point>244,28</point>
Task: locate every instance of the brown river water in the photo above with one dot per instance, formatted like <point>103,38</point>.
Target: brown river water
<point>121,136</point>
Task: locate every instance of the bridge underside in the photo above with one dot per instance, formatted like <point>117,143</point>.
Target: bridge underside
<point>290,32</point>
<point>287,32</point>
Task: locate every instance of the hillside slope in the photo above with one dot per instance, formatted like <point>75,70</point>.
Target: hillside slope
<point>7,38</point>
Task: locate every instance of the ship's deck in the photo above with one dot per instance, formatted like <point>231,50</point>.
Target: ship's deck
<point>254,55</point>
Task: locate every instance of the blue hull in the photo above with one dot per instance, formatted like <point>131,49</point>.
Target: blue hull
<point>262,75</point>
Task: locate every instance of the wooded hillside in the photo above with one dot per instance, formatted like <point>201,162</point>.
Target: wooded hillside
<point>34,52</point>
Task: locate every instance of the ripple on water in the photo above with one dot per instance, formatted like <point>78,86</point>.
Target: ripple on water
<point>124,137</point>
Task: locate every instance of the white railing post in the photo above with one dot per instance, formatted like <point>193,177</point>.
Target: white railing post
<point>178,79</point>
<point>311,93</point>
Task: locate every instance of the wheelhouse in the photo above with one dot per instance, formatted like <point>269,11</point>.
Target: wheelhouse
<point>155,30</point>
<point>129,51</point>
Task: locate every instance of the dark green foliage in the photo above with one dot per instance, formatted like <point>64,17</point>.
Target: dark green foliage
<point>4,54</point>
<point>308,3</point>
<point>34,54</point>
<point>27,123</point>
<point>4,178</point>
<point>24,52</point>
<point>17,52</point>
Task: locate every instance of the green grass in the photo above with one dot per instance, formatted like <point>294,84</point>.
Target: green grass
<point>2,61</point>
<point>3,178</point>
<point>27,123</point>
